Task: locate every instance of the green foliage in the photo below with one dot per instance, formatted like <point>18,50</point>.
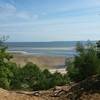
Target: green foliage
<point>5,73</point>
<point>98,49</point>
<point>16,80</point>
<point>85,64</point>
<point>73,73</point>
<point>28,77</point>
<point>48,80</point>
<point>47,73</point>
<point>30,74</point>
<point>58,79</point>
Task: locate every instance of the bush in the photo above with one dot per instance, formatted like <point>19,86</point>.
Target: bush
<point>26,76</point>
<point>5,73</point>
<point>85,64</point>
<point>98,49</point>
<point>30,77</point>
<point>47,73</point>
<point>16,80</point>
<point>58,79</point>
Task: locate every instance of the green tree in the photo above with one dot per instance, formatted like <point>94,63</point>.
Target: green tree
<point>98,49</point>
<point>86,62</point>
<point>5,76</point>
<point>5,72</point>
<point>30,74</point>
<point>58,79</point>
<point>47,73</point>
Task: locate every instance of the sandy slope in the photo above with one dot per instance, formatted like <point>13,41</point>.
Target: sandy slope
<point>45,95</point>
<point>41,61</point>
<point>12,95</point>
<point>7,95</point>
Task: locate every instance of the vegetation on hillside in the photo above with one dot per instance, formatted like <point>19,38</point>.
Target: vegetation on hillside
<point>29,77</point>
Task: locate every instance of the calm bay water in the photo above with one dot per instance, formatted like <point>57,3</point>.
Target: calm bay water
<point>64,49</point>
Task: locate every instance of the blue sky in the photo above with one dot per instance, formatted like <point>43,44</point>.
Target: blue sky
<point>50,20</point>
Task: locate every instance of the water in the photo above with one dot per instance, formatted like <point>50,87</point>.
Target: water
<point>60,48</point>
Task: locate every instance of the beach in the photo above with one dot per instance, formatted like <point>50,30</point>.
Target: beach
<point>46,55</point>
<point>48,62</point>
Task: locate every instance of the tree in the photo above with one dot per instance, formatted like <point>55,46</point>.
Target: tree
<point>30,74</point>
<point>5,72</point>
<point>47,73</point>
<point>58,79</point>
<point>86,62</point>
<point>98,49</point>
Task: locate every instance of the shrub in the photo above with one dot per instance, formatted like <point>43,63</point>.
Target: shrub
<point>47,73</point>
<point>5,73</point>
<point>85,64</point>
<point>98,49</point>
<point>58,79</point>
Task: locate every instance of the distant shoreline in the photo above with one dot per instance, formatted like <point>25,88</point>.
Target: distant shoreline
<point>53,52</point>
<point>50,48</point>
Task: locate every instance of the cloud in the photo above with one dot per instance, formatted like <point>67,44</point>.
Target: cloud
<point>7,9</point>
<point>10,10</point>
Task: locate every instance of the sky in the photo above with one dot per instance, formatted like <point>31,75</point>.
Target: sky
<point>50,20</point>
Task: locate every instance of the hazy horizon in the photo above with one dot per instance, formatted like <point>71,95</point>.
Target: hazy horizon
<point>52,41</point>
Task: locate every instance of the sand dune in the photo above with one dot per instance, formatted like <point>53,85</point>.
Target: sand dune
<point>42,61</point>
